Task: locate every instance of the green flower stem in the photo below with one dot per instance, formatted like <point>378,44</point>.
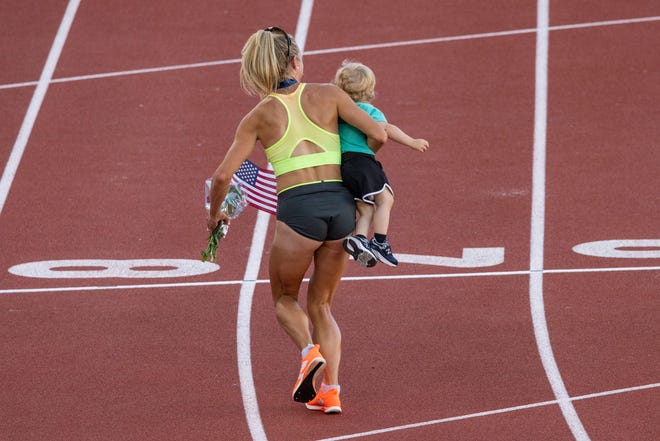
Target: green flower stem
<point>214,239</point>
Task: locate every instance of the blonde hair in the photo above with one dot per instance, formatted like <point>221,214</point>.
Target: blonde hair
<point>264,60</point>
<point>357,80</point>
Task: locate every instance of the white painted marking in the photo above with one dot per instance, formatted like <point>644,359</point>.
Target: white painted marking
<point>41,87</point>
<point>476,36</point>
<point>99,268</point>
<point>471,258</point>
<point>243,354</point>
<point>304,17</point>
<point>611,248</point>
<point>35,104</point>
<point>487,413</point>
<point>248,391</point>
<point>123,73</point>
<point>341,49</point>
<point>344,279</point>
<point>538,227</point>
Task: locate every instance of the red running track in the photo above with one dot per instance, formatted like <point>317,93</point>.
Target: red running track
<point>143,102</point>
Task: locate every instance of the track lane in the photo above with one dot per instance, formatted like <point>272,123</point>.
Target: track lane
<point>497,204</point>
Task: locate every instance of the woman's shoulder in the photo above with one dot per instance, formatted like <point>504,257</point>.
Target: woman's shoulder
<point>320,85</point>
<point>325,88</point>
<point>262,111</point>
<point>266,104</point>
<point>326,93</point>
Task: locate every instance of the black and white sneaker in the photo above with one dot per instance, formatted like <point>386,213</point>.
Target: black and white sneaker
<point>358,248</point>
<point>383,252</point>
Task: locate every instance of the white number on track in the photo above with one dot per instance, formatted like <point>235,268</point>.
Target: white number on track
<point>93,268</point>
<point>635,248</point>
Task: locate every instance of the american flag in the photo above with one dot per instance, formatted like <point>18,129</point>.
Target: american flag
<point>258,184</point>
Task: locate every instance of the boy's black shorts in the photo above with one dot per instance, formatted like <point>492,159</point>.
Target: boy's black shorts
<point>364,176</point>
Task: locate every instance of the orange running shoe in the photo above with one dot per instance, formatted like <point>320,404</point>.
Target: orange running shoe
<point>303,389</point>
<point>326,402</point>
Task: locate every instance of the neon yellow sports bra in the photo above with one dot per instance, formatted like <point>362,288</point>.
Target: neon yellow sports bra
<point>301,128</point>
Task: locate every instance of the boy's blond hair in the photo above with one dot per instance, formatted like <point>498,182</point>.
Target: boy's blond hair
<point>357,80</point>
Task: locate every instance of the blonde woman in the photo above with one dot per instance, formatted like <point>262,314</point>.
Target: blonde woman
<point>362,174</point>
<point>297,124</point>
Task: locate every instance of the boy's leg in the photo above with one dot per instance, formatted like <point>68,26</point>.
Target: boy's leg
<point>384,202</point>
<point>379,244</point>
<point>366,212</point>
<point>358,245</point>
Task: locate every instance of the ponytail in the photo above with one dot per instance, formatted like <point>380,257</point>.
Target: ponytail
<point>264,61</point>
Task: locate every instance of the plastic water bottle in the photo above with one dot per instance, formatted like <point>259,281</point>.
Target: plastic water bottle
<point>234,203</point>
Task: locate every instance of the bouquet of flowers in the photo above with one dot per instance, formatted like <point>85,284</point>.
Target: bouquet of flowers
<point>233,205</point>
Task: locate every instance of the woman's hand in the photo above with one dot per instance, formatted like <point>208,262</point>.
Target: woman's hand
<point>213,221</point>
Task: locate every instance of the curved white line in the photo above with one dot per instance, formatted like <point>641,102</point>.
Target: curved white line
<point>538,226</point>
<point>244,356</point>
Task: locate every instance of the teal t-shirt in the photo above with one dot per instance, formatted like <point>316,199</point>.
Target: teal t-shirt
<point>352,139</point>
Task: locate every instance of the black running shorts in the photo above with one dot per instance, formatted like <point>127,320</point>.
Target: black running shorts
<point>364,176</point>
<point>320,211</point>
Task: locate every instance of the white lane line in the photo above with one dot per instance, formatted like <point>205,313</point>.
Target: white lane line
<point>538,227</point>
<point>302,27</point>
<point>480,35</point>
<point>340,49</point>
<point>35,104</point>
<point>344,279</point>
<point>488,412</point>
<point>249,282</point>
<point>127,72</point>
<point>244,356</point>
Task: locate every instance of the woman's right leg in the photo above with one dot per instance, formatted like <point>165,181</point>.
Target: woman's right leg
<point>290,256</point>
<point>329,265</point>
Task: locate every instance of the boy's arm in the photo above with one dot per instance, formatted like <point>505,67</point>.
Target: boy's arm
<point>398,135</point>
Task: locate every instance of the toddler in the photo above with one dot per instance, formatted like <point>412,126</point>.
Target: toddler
<point>362,174</point>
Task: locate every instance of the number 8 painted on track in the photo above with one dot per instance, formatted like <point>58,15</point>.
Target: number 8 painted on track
<point>94,268</point>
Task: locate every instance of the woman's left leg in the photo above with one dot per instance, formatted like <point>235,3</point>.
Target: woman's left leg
<point>291,256</point>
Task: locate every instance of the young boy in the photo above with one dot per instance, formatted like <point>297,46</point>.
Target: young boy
<point>362,174</point>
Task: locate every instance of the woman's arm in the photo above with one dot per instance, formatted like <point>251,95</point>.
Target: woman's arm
<point>243,144</point>
<point>353,115</point>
